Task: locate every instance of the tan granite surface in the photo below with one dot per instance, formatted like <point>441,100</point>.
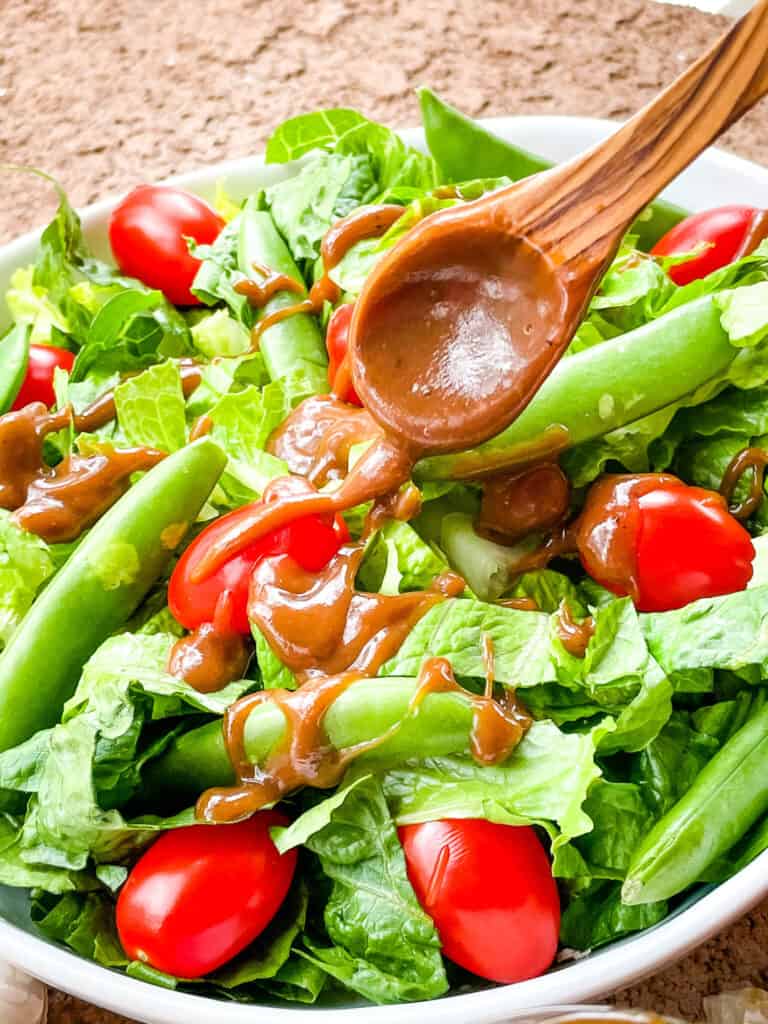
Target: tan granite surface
<point>108,93</point>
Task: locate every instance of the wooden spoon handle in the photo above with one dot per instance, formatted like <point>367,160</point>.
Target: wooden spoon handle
<point>579,210</point>
<point>757,89</point>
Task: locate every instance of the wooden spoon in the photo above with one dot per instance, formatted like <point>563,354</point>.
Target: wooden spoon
<point>459,324</point>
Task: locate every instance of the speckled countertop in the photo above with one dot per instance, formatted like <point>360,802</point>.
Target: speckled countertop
<point>109,93</point>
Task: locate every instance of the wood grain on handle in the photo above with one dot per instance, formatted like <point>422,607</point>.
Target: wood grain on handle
<point>757,89</point>
<point>584,205</point>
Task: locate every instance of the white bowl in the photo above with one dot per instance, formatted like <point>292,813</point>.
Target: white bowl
<point>714,179</point>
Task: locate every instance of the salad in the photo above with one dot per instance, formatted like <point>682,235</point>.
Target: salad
<point>258,742</point>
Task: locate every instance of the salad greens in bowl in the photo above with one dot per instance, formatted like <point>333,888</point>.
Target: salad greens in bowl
<point>444,746</point>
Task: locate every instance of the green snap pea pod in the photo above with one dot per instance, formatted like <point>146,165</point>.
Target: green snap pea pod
<point>727,797</point>
<point>464,150</point>
<point>362,712</point>
<point>294,345</point>
<point>605,387</point>
<point>14,359</point>
<point>99,587</point>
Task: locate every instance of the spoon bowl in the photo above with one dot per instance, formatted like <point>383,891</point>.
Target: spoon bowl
<point>489,305</point>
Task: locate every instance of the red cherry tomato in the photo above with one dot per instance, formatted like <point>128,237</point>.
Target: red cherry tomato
<point>201,894</point>
<point>38,382</point>
<point>312,541</point>
<point>147,232</point>
<point>337,342</point>
<point>489,889</point>
<point>728,229</point>
<point>662,542</point>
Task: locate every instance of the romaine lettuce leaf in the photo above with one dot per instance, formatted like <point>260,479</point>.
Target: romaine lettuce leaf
<point>274,674</point>
<point>385,947</point>
<point>397,559</point>
<point>454,629</point>
<point>347,132</point>
<point>219,271</point>
<point>321,129</point>
<point>134,329</point>
<point>217,334</point>
<point>25,565</point>
<point>242,423</point>
<point>151,409</point>
<point>91,763</point>
<point>727,632</point>
<point>28,303</point>
<point>544,781</point>
<point>596,916</point>
<point>327,187</point>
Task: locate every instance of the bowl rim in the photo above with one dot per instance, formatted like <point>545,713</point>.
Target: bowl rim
<point>607,969</point>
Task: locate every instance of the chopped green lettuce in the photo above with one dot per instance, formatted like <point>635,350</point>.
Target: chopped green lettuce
<point>151,410</point>
<point>242,423</point>
<point>80,771</point>
<point>219,271</point>
<point>397,560</point>
<point>25,565</point>
<point>327,187</point>
<point>384,946</point>
<point>28,303</point>
<point>544,781</point>
<point>218,334</point>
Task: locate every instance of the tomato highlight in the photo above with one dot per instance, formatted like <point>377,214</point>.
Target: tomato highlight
<point>37,385</point>
<point>490,891</point>
<point>148,232</point>
<point>201,894</point>
<point>724,234</point>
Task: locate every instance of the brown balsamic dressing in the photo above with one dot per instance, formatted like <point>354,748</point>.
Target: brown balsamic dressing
<point>753,461</point>
<point>305,756</point>
<point>573,635</point>
<point>316,437</point>
<point>59,503</point>
<point>319,624</point>
<point>518,504</point>
<point>209,657</point>
<point>758,232</point>
<point>607,528</point>
<point>66,500</point>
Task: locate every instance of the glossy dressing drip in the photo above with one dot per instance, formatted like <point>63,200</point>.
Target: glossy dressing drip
<point>318,624</point>
<point>755,462</point>
<point>316,437</point>
<point>305,756</point>
<point>209,657</point>
<point>573,635</point>
<point>59,503</point>
<point>519,504</point>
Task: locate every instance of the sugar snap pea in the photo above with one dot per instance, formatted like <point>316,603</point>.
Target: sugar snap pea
<point>14,358</point>
<point>464,149</point>
<point>364,711</point>
<point>294,345</point>
<point>99,587</point>
<point>727,797</point>
<point>606,387</point>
